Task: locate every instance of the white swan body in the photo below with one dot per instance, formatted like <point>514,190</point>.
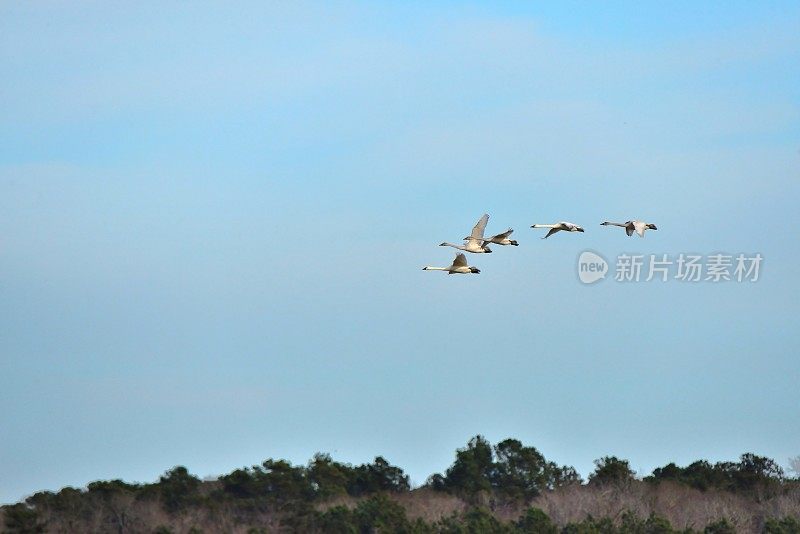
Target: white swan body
<point>470,245</point>
<point>459,266</point>
<point>632,226</point>
<point>558,227</point>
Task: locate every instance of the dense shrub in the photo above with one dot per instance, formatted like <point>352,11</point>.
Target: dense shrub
<point>535,521</point>
<point>787,525</point>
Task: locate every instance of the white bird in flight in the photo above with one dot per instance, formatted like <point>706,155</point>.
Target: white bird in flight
<point>501,239</point>
<point>630,226</point>
<point>475,243</point>
<point>563,225</point>
<point>459,266</point>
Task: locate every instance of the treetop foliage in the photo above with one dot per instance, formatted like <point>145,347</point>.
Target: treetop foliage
<point>751,474</point>
<point>611,470</point>
<point>510,468</point>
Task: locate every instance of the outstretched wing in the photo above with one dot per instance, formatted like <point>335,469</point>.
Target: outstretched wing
<point>477,230</point>
<point>460,261</point>
<point>640,228</point>
<point>501,236</point>
<point>551,232</point>
<point>629,228</point>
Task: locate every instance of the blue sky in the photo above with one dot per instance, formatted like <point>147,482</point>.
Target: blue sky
<point>214,218</point>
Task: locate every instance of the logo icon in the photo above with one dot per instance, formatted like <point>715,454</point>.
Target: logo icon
<point>591,267</point>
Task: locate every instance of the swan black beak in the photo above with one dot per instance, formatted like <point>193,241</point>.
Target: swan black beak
<point>653,227</point>
<point>580,229</point>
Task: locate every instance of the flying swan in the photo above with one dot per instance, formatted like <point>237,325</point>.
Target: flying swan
<point>563,225</point>
<point>475,242</point>
<point>459,266</point>
<point>630,226</point>
<point>501,239</point>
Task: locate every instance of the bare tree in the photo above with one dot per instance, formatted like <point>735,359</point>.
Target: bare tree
<point>794,466</point>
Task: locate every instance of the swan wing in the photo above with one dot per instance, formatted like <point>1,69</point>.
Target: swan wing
<point>640,228</point>
<point>480,226</point>
<point>460,261</point>
<point>629,228</point>
<point>551,232</point>
<point>501,236</point>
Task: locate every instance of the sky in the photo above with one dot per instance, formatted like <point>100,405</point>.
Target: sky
<point>213,220</point>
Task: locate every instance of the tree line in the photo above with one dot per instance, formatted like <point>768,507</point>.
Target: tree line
<point>487,482</point>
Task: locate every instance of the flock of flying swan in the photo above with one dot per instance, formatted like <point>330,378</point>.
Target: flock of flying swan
<point>476,243</point>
